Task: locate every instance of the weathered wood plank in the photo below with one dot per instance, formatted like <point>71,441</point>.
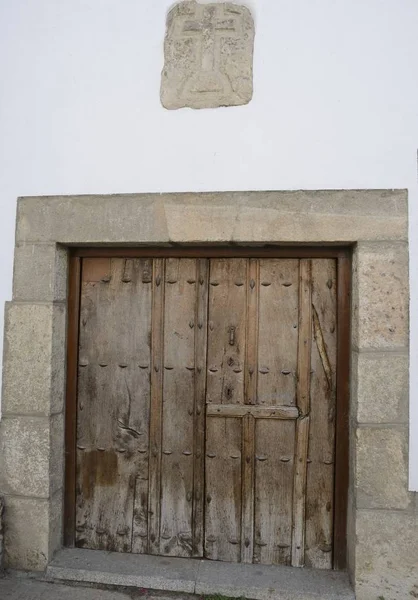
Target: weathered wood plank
<point>258,412</point>
<point>136,274</point>
<point>247,523</point>
<point>178,408</point>
<point>320,478</point>
<point>274,464</point>
<point>202,278</point>
<point>305,335</point>
<point>299,491</point>
<point>278,331</point>
<point>226,331</point>
<point>223,489</point>
<point>251,346</point>
<point>303,403</point>
<point>113,404</point>
<point>155,431</point>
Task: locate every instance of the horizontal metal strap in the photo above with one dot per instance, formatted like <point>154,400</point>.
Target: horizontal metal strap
<point>258,412</point>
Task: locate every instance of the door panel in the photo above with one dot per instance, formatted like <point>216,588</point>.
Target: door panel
<point>113,400</point>
<point>278,331</point>
<point>249,478</point>
<point>227,331</point>
<point>286,412</point>
<point>223,489</point>
<point>178,408</point>
<point>274,464</point>
<point>320,475</point>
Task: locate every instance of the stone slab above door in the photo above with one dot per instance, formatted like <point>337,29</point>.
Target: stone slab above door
<point>208,56</point>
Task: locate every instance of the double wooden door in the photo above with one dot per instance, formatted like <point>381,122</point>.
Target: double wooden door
<point>206,408</point>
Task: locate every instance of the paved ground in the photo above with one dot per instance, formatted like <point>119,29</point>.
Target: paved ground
<point>21,587</point>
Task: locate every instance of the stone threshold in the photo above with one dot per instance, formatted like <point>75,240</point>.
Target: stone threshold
<point>196,576</point>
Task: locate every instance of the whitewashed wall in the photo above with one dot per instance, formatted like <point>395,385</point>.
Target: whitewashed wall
<point>335,106</point>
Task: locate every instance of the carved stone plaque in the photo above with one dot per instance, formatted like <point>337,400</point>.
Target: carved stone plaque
<point>208,56</point>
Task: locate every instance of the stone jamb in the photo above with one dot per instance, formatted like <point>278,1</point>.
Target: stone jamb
<point>382,512</point>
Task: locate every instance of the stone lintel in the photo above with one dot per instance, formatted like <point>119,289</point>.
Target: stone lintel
<point>238,217</point>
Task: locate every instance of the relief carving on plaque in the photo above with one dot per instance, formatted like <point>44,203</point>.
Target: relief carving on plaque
<point>208,56</point>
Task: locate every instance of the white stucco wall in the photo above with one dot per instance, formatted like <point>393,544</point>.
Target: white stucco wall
<point>335,106</point>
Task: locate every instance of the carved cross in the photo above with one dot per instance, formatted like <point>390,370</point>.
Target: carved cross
<point>209,31</point>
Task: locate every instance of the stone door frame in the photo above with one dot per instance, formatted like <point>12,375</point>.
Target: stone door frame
<point>373,222</point>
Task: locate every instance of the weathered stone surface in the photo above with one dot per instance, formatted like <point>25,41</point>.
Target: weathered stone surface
<point>381,296</point>
<point>382,468</point>
<point>24,456</point>
<point>351,533</point>
<point>55,523</point>
<point>262,582</point>
<point>56,453</point>
<point>208,56</point>
<point>131,570</point>
<point>380,387</point>
<point>27,533</point>
<point>31,455</point>
<point>40,273</point>
<point>26,588</point>
<point>387,553</point>
<point>92,219</point>
<point>242,217</point>
<point>34,359</point>
<point>1,535</point>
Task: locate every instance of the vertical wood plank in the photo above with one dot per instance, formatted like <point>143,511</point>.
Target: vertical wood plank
<point>342,416</point>
<point>299,492</point>
<point>247,523</point>
<point>320,479</point>
<point>278,331</point>
<point>305,335</point>
<point>226,331</point>
<point>178,407</point>
<point>223,489</point>
<point>71,401</point>
<point>199,404</point>
<point>157,366</point>
<point>140,410</point>
<point>251,359</point>
<point>274,464</point>
<point>303,402</point>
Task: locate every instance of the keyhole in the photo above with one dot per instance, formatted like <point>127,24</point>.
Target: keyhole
<point>228,393</point>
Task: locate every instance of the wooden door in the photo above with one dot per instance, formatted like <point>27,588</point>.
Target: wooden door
<point>140,401</point>
<point>206,408</point>
<point>270,428</point>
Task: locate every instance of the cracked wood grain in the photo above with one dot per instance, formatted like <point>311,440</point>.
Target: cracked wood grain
<point>156,415</point>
